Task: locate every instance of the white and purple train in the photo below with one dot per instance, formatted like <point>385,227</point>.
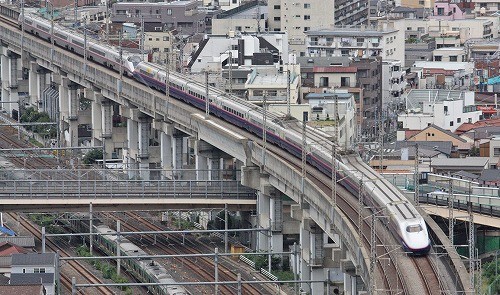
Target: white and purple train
<point>405,220</point>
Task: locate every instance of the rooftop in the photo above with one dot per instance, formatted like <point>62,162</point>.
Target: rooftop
<point>21,289</point>
<point>460,162</point>
<point>452,66</point>
<point>33,259</point>
<point>351,32</point>
<point>23,241</point>
<point>31,278</point>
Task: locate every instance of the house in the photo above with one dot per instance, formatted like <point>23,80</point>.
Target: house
<point>490,177</point>
<point>6,251</point>
<point>434,133</point>
<point>31,268</point>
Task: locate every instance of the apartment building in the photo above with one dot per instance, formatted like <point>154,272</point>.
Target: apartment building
<point>360,42</point>
<point>298,17</point>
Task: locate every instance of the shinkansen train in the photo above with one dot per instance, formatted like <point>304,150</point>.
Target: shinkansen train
<point>287,134</point>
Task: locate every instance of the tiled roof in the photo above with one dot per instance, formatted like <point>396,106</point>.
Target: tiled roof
<point>34,259</point>
<point>490,175</point>
<point>31,278</point>
<point>8,248</point>
<point>21,289</point>
<point>23,241</point>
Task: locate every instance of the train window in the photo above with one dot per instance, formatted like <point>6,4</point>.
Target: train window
<point>27,21</point>
<point>96,51</point>
<point>77,43</point>
<point>59,35</point>
<point>43,28</point>
<point>414,228</point>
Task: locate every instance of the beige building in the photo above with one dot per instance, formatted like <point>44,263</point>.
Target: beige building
<point>416,4</point>
<point>249,17</point>
<point>159,44</point>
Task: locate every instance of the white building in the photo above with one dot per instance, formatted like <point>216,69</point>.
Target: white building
<point>486,7</point>
<point>237,49</point>
<point>445,75</point>
<point>449,54</point>
<point>393,81</point>
<point>387,43</point>
<point>447,109</point>
<point>34,268</point>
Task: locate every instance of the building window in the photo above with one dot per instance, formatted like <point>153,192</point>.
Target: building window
<point>323,82</point>
<point>345,81</point>
<point>166,38</point>
<point>238,28</point>
<point>440,11</point>
<point>344,52</point>
<point>451,123</point>
<point>496,151</point>
<point>307,29</point>
<point>459,120</point>
<point>169,11</point>
<point>277,18</point>
<point>307,5</point>
<point>438,58</point>
<point>277,7</point>
<point>453,58</point>
<point>307,17</point>
<point>39,270</point>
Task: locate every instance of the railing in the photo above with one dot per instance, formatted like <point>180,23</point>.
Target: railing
<point>55,189</point>
<point>490,208</point>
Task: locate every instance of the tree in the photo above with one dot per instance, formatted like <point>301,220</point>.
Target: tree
<point>92,156</point>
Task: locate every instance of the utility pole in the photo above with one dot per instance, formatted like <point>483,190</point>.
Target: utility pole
<point>373,252</point>
<point>142,37</point>
<point>76,12</point>
<point>416,177</point>
<point>107,23</point>
<point>451,218</point>
<point>85,47</point>
<point>264,129</point>
<point>167,80</point>
<point>207,100</point>
<point>52,49</point>
<point>360,210</point>
<point>381,141</point>
<point>472,244</point>
<point>288,91</point>
<point>230,72</point>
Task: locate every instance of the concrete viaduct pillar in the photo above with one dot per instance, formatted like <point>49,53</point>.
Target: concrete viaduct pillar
<point>166,149</point>
<point>9,75</point>
<point>144,134</point>
<point>68,107</point>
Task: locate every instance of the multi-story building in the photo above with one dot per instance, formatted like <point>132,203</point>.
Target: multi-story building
<point>447,109</point>
<point>248,17</point>
<point>298,17</point>
<point>393,81</point>
<point>184,16</point>
<point>358,42</point>
<point>337,73</point>
<point>418,49</point>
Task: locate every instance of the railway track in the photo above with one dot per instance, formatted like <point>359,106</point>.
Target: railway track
<point>77,267</point>
<point>202,267</point>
